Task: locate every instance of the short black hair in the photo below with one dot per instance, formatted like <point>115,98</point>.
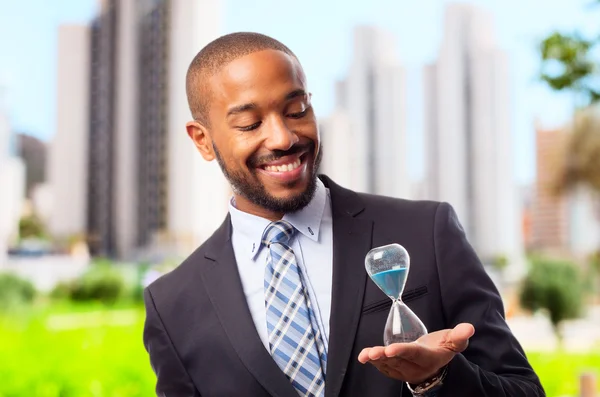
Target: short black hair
<point>213,57</point>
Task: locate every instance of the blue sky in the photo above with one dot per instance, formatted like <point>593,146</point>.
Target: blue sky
<point>320,33</point>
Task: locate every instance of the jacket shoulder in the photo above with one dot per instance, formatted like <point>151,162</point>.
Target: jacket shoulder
<point>185,273</point>
<point>390,206</point>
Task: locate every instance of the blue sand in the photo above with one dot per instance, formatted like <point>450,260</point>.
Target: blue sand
<point>391,281</point>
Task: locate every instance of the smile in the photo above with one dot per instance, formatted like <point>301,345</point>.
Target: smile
<point>284,167</point>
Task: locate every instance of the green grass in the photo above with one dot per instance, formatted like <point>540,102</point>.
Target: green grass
<point>74,351</point>
<point>560,371</point>
<point>87,350</point>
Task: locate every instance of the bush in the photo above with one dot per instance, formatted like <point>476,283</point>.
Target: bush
<point>102,282</point>
<point>555,287</point>
<point>15,291</point>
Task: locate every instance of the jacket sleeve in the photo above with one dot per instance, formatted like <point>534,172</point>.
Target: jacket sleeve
<point>172,378</point>
<point>494,364</point>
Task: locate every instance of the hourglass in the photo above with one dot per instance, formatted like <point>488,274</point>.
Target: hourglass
<point>388,267</point>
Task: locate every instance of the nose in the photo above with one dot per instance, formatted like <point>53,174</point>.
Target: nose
<point>280,136</point>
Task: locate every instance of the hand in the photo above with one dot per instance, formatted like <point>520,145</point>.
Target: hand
<point>418,361</point>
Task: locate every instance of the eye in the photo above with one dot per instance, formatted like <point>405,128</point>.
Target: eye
<point>250,127</point>
<point>299,115</point>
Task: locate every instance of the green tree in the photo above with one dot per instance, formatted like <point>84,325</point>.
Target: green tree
<point>570,63</point>
<point>555,287</point>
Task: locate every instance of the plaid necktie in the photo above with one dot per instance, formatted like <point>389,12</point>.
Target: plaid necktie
<point>294,338</point>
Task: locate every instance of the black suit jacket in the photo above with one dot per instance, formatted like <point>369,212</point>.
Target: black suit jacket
<point>202,341</point>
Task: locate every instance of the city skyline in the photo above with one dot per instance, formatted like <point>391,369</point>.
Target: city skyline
<point>132,168</point>
<point>33,70</point>
<point>469,152</point>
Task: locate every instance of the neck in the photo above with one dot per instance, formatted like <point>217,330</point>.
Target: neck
<point>243,204</point>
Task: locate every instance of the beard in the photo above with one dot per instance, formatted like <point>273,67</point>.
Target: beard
<point>254,191</point>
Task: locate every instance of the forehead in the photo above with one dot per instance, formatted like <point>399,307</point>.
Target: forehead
<point>257,77</point>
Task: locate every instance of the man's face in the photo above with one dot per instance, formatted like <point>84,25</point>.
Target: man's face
<point>264,132</point>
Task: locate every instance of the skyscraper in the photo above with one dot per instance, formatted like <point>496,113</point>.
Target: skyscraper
<point>468,134</point>
<point>340,160</point>
<point>68,150</point>
<point>128,135</point>
<point>152,132</point>
<point>372,99</point>
<point>127,139</point>
<point>549,226</point>
<point>101,139</point>
<point>197,190</point>
<point>147,185</point>
<point>563,223</point>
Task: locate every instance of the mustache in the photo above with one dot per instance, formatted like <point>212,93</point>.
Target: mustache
<point>256,161</point>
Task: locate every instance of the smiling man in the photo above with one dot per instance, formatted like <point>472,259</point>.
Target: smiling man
<point>277,302</point>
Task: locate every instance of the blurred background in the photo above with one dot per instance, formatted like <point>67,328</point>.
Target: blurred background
<point>491,106</point>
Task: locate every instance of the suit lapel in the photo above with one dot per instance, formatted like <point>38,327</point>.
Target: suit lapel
<point>351,242</point>
<point>222,282</point>
<point>352,239</point>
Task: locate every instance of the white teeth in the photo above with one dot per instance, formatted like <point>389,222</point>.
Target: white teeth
<point>284,167</point>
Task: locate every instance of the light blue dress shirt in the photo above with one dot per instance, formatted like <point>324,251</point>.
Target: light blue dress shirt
<point>312,245</point>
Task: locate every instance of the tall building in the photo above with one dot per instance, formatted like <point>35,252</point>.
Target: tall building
<point>549,218</point>
<point>147,185</point>
<point>468,134</point>
<point>371,98</point>
<point>340,161</point>
<point>129,134</point>
<point>152,50</point>
<point>101,144</point>
<point>197,190</point>
<point>67,166</point>
<point>123,126</point>
<point>564,223</point>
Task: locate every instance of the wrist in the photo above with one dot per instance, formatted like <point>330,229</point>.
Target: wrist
<point>428,387</point>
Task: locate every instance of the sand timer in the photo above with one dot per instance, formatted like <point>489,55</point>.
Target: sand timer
<point>388,267</point>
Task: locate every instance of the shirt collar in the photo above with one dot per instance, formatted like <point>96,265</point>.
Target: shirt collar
<point>307,221</point>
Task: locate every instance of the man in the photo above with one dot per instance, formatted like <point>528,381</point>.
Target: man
<point>277,302</point>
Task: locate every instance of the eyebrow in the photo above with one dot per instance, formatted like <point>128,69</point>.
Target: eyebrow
<point>241,108</point>
<point>251,106</point>
<point>295,94</point>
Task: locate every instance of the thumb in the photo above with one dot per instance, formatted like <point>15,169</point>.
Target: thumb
<point>457,339</point>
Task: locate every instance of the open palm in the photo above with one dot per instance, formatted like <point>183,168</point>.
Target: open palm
<point>418,361</point>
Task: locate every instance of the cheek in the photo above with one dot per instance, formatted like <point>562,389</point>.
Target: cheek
<point>242,150</point>
<point>310,130</point>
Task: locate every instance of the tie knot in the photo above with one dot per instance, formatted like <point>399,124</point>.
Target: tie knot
<point>278,232</point>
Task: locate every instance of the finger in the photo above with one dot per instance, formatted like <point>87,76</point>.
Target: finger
<point>458,338</point>
<point>406,351</point>
<point>363,357</point>
<point>370,353</point>
<point>376,353</point>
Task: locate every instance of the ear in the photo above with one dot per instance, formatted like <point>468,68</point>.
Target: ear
<point>201,138</point>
